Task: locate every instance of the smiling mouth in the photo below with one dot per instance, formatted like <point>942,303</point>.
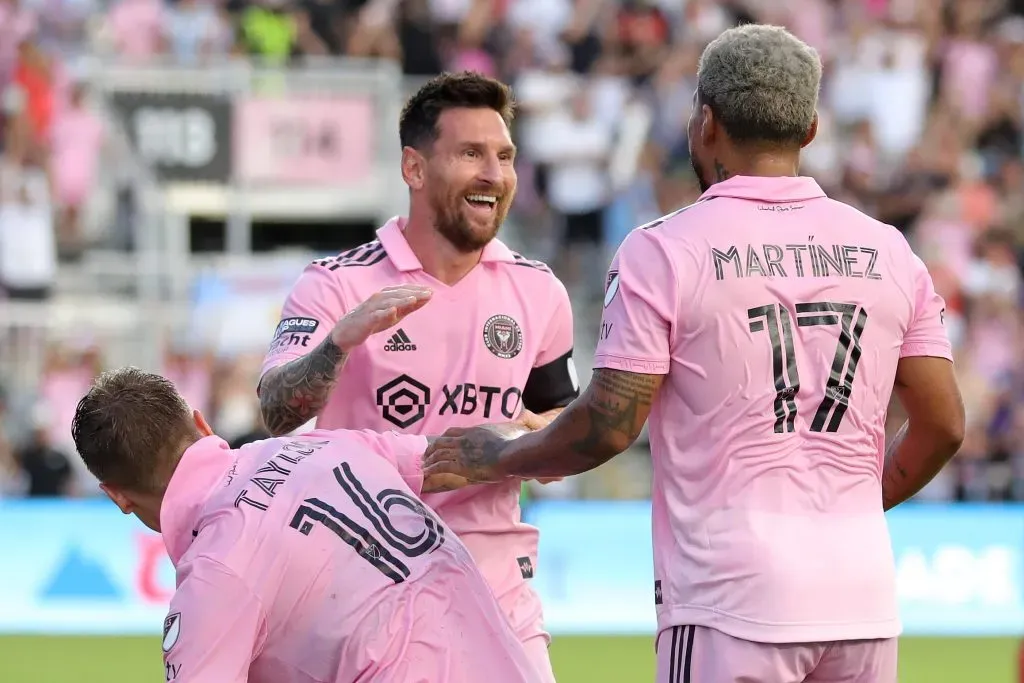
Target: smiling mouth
<point>482,202</point>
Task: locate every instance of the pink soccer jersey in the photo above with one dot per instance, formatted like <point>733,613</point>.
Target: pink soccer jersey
<point>778,317</point>
<point>478,352</point>
<point>311,560</point>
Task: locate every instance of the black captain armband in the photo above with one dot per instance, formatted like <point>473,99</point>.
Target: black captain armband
<point>552,385</point>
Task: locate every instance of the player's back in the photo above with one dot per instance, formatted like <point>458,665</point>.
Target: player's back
<point>789,312</point>
<point>358,579</point>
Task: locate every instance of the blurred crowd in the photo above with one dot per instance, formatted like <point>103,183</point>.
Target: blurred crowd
<point>920,125</point>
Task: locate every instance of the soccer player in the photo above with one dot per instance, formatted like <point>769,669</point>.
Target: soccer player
<point>763,330</point>
<point>299,560</point>
<point>495,343</point>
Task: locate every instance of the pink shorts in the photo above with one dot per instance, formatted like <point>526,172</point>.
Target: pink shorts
<point>696,654</point>
<point>523,608</point>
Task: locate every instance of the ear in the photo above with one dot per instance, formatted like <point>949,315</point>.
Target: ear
<point>413,168</point>
<point>707,126</point>
<point>811,132</point>
<point>120,500</point>
<point>201,424</point>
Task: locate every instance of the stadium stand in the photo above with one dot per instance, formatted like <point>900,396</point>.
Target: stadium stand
<point>167,167</point>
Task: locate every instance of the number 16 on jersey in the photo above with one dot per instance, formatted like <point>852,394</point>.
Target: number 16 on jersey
<point>776,321</point>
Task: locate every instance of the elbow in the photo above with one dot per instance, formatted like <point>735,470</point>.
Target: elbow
<point>954,435</point>
<point>946,436</point>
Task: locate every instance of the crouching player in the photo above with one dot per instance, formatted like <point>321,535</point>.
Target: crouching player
<point>299,560</point>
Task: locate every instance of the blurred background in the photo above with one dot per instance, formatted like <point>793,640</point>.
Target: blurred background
<point>167,167</point>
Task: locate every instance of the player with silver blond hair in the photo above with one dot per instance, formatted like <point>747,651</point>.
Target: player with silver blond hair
<point>763,330</point>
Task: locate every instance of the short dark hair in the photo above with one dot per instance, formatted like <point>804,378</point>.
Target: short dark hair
<point>131,428</point>
<point>417,127</point>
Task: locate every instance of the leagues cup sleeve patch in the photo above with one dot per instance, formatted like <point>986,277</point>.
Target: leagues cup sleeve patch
<point>296,326</point>
<point>503,336</point>
<point>172,630</point>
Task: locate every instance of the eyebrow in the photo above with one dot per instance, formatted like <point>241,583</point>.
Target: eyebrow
<point>482,145</point>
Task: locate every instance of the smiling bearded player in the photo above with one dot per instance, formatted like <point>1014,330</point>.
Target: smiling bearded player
<point>494,344</point>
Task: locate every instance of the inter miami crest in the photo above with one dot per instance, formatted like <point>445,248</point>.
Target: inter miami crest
<point>503,337</point>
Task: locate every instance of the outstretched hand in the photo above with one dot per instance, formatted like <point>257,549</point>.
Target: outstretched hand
<point>381,311</point>
<point>467,456</point>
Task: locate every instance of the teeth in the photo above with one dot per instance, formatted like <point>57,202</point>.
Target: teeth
<point>490,199</point>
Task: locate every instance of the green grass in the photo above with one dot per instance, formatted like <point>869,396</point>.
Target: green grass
<point>576,660</point>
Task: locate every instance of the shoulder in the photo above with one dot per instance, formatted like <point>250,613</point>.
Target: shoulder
<point>365,255</point>
<point>520,261</point>
<point>532,273</point>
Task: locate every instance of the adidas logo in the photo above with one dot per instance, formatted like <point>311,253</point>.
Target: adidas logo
<point>399,341</point>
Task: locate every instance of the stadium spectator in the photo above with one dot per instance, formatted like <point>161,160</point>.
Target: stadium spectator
<point>916,126</point>
<point>76,143</point>
<point>48,470</point>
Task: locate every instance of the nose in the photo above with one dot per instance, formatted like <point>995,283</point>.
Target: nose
<point>490,170</point>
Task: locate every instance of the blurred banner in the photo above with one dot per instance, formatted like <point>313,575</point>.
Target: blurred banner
<point>307,141</point>
<point>82,567</point>
<point>182,136</point>
<point>236,306</point>
<point>959,568</point>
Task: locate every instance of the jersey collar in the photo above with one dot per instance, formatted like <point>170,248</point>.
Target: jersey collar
<point>779,189</point>
<point>203,466</point>
<point>392,238</point>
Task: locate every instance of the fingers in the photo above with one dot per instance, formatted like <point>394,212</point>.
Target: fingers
<point>446,465</point>
<point>389,309</point>
<point>404,288</point>
<point>531,420</point>
<point>412,304</point>
<point>438,483</point>
<point>442,450</point>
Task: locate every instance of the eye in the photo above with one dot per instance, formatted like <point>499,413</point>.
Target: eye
<point>471,154</point>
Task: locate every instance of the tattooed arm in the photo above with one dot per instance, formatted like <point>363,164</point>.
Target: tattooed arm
<point>294,393</point>
<point>596,427</point>
<point>928,390</point>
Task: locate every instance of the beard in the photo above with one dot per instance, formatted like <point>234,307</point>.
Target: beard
<point>452,220</point>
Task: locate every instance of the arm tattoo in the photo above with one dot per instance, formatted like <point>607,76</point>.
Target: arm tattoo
<point>592,430</point>
<point>296,392</point>
<point>617,407</point>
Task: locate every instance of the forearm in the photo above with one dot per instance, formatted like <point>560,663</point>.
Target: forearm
<point>591,431</point>
<point>912,459</point>
<point>561,450</point>
<point>296,392</point>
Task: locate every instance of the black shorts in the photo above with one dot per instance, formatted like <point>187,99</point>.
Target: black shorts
<point>584,227</point>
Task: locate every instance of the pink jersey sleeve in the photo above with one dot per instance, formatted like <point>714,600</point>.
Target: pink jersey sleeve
<point>404,451</point>
<point>926,334</point>
<point>639,308</point>
<point>312,308</point>
<point>214,628</point>
<point>558,338</point>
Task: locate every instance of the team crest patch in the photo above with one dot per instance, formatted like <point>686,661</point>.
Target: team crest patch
<point>503,337</point>
<point>611,287</point>
<point>172,631</point>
